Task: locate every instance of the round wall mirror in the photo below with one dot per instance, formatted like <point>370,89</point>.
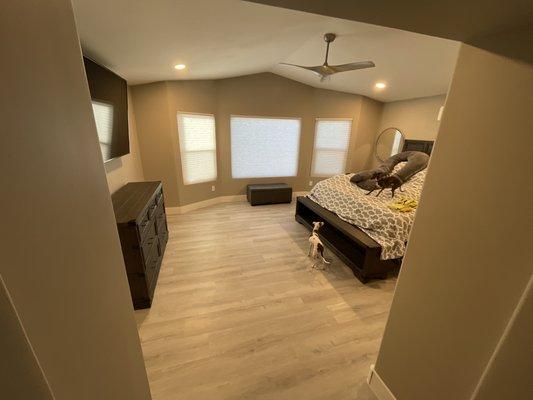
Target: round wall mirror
<point>389,142</point>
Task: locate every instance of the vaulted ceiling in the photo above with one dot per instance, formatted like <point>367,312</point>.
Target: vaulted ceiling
<point>143,40</point>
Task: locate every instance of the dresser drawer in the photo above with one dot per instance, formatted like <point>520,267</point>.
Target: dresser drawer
<point>147,231</point>
<point>161,224</point>
<point>152,210</point>
<point>143,225</point>
<point>160,209</point>
<point>153,263</point>
<point>163,239</point>
<point>159,197</point>
<point>148,244</point>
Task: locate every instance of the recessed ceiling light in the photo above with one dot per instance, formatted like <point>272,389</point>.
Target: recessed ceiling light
<point>180,66</point>
<point>380,85</point>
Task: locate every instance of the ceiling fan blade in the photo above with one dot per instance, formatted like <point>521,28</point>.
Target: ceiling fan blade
<point>352,66</point>
<point>319,69</point>
<point>325,70</point>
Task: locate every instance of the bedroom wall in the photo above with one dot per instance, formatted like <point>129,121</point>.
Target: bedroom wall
<point>200,97</point>
<point>155,141</point>
<point>128,168</point>
<point>266,94</point>
<point>467,262</point>
<point>512,354</point>
<point>61,259</point>
<point>285,98</point>
<point>25,379</point>
<point>367,127</point>
<point>415,118</point>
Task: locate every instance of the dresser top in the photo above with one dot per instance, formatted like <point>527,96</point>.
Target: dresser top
<point>132,199</point>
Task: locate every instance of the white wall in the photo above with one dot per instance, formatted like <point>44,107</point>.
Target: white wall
<point>61,257</point>
<point>128,168</point>
<point>467,262</point>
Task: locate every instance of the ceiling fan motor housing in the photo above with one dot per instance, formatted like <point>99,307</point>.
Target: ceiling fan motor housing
<point>329,37</point>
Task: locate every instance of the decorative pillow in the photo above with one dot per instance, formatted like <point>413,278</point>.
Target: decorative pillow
<point>415,161</point>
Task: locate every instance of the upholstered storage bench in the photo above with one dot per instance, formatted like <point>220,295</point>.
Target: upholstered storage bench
<point>269,193</point>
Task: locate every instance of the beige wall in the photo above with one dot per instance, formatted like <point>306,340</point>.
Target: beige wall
<point>200,97</point>
<point>367,129</point>
<point>510,367</point>
<point>156,106</point>
<point>128,168</point>
<point>154,129</point>
<point>415,118</point>
<point>21,375</point>
<point>61,257</point>
<point>467,262</point>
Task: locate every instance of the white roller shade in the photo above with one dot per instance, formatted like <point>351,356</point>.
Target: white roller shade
<point>332,137</point>
<point>103,117</point>
<point>264,147</point>
<point>198,147</point>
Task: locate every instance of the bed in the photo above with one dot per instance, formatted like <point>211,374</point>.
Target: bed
<point>361,230</point>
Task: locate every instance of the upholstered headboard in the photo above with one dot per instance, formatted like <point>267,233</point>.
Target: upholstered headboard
<point>418,145</point>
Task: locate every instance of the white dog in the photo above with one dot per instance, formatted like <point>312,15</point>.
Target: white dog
<point>316,248</point>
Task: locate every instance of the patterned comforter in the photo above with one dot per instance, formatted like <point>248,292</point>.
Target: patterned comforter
<point>390,228</point>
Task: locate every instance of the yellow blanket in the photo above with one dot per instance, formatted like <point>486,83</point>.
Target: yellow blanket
<point>404,205</point>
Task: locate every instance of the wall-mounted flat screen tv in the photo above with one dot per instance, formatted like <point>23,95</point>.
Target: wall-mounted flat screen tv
<point>109,97</point>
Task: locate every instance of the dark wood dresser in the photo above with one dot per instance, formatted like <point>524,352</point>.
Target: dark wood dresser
<point>142,227</point>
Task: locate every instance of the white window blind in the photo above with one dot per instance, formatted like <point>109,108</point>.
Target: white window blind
<point>197,147</point>
<point>103,117</point>
<point>264,147</point>
<point>331,146</point>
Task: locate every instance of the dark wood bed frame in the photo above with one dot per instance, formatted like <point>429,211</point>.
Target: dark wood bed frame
<point>353,246</point>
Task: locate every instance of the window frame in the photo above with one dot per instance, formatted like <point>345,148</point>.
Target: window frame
<point>298,153</point>
<point>181,143</point>
<point>313,158</point>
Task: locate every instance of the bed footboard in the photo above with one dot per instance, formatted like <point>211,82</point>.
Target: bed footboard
<point>354,247</point>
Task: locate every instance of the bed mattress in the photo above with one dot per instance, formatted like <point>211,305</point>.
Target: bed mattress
<point>390,228</point>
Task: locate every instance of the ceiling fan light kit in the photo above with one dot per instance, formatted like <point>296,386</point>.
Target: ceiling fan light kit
<point>325,70</point>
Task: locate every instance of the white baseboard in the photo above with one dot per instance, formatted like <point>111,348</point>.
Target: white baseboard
<point>215,200</point>
<point>378,386</point>
<point>205,203</point>
<point>296,194</point>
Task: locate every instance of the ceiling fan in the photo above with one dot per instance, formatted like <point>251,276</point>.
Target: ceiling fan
<point>325,70</point>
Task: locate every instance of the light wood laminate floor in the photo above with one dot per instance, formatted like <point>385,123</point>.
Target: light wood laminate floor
<point>238,313</point>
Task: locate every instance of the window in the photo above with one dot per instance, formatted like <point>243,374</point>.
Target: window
<point>103,117</point>
<point>198,147</point>
<point>264,147</point>
<point>331,146</point>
